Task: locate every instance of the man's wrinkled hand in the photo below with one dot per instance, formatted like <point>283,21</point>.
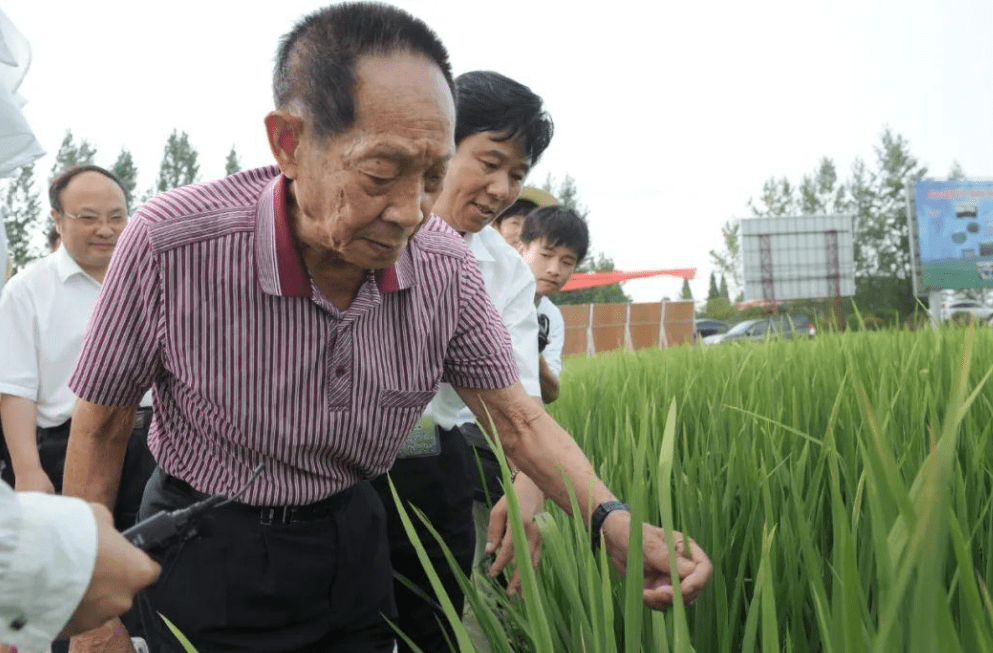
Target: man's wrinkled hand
<point>500,538</point>
<point>693,567</point>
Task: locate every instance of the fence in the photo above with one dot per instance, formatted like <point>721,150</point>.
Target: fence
<point>595,328</point>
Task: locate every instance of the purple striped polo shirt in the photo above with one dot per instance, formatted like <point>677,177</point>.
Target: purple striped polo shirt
<point>207,299</point>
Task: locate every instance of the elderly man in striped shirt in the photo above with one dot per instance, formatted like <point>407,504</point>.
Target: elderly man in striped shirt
<point>299,317</point>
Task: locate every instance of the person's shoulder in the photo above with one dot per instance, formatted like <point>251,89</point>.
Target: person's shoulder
<point>41,270</point>
<point>206,210</point>
<point>437,238</point>
<point>545,306</point>
<point>506,256</point>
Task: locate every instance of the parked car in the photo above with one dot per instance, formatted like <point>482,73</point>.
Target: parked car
<point>774,326</point>
<point>708,326</point>
<point>962,307</point>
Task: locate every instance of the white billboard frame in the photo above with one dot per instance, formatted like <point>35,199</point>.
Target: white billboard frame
<point>798,257</point>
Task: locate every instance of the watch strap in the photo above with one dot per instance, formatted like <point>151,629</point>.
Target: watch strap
<point>600,515</point>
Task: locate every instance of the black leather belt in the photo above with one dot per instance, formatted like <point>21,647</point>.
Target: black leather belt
<point>143,417</point>
<point>268,514</point>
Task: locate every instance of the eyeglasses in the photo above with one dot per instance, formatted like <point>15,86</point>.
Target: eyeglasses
<point>90,219</point>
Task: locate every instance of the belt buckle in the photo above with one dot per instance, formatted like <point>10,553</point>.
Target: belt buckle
<point>279,514</point>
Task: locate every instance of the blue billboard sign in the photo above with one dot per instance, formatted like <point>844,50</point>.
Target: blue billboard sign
<point>955,232</point>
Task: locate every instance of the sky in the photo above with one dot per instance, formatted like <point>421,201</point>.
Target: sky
<point>668,116</point>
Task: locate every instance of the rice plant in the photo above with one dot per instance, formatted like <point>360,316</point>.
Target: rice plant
<point>842,487</point>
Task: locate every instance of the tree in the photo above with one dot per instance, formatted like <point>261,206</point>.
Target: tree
<point>728,260</point>
<point>232,165</point>
<point>179,165</point>
<point>126,172</point>
<point>713,291</point>
<point>956,171</point>
<point>686,293</point>
<point>22,218</point>
<point>70,154</point>
<point>876,198</point>
<point>568,196</point>
<point>723,291</point>
<point>820,193</point>
<point>896,167</point>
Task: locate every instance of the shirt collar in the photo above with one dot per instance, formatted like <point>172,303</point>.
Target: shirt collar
<point>67,267</point>
<point>477,245</point>
<point>281,272</point>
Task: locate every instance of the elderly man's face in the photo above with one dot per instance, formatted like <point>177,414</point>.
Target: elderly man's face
<point>361,195</point>
<point>485,177</point>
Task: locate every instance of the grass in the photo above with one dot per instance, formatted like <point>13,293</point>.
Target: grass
<point>841,486</point>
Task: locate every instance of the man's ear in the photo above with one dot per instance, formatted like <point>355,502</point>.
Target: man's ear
<point>57,219</point>
<point>520,247</point>
<point>284,131</point>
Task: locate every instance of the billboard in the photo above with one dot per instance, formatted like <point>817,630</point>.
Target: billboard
<point>802,257</point>
<point>955,233</point>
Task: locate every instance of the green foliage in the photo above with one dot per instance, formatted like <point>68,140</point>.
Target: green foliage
<point>723,291</point>
<point>841,486</point>
<point>23,219</point>
<point>70,154</point>
<point>126,172</point>
<point>179,165</point>
<point>178,634</point>
<point>231,164</point>
<point>713,292</point>
<point>567,194</point>
<point>877,200</point>
<point>686,293</point>
<point>956,171</point>
<point>728,260</point>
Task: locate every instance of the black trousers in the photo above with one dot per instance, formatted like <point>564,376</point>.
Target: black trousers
<point>442,487</point>
<point>138,465</point>
<point>254,582</point>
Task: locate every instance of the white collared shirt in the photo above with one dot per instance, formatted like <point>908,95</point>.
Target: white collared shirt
<point>48,547</point>
<point>510,285</point>
<point>43,313</point>
<point>556,334</point>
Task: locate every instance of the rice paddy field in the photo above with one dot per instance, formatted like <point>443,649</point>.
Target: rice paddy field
<point>843,488</point>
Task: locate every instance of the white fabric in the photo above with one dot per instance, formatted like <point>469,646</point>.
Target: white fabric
<point>510,284</point>
<point>43,314</point>
<point>556,334</point>
<point>18,146</point>
<point>48,547</point>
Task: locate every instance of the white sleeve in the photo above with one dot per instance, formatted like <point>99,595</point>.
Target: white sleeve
<point>48,548</point>
<point>556,335</point>
<point>18,331</point>
<point>521,320</point>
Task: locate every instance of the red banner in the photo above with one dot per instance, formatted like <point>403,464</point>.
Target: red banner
<point>593,279</point>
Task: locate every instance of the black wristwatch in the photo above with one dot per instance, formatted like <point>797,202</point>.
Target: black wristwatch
<point>600,515</point>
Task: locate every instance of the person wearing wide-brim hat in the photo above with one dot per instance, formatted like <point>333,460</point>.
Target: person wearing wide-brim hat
<point>510,222</point>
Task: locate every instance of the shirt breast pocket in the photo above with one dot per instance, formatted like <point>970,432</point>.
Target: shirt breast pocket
<point>406,398</point>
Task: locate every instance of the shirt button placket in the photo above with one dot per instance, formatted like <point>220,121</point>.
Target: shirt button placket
<point>340,364</point>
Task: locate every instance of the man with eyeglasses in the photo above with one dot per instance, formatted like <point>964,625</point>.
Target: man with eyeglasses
<point>43,313</point>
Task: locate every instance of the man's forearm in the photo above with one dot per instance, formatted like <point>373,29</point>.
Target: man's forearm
<point>539,446</point>
<point>19,416</point>
<point>98,439</point>
<point>549,381</point>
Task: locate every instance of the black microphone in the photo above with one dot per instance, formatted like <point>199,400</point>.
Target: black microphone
<point>165,528</point>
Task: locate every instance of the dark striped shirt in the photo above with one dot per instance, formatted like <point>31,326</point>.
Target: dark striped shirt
<point>206,298</point>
